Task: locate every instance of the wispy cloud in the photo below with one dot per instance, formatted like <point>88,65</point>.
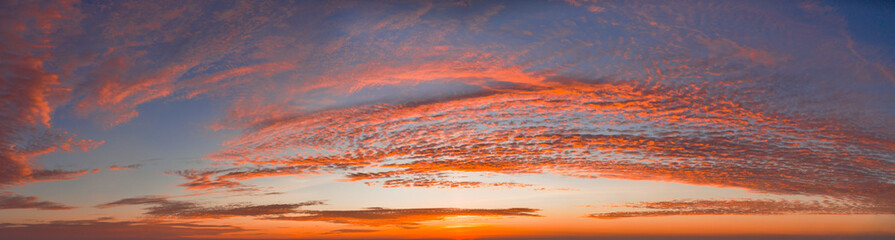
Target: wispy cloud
<point>56,174</point>
<point>135,201</point>
<point>344,231</point>
<point>694,107</point>
<point>613,130</point>
<point>31,93</point>
<point>396,94</point>
<point>127,167</point>
<point>163,208</point>
<point>406,218</point>
<point>15,201</point>
<point>105,228</point>
<point>229,179</point>
<point>740,207</point>
<point>667,101</point>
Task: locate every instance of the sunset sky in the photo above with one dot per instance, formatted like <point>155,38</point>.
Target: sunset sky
<point>446,119</point>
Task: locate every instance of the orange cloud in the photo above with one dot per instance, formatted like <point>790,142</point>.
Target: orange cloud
<point>126,76</point>
<point>688,134</point>
<point>30,92</point>
<point>658,113</point>
<point>204,180</point>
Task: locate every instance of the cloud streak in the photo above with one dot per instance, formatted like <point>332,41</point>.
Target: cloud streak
<point>127,167</point>
<point>161,207</point>
<point>14,201</point>
<point>344,231</point>
<point>405,218</point>
<point>740,207</point>
<point>105,228</point>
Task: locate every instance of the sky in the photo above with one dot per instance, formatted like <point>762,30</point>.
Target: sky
<point>446,119</point>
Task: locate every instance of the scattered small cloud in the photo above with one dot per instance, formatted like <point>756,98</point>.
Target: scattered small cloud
<point>595,9</point>
<point>128,167</point>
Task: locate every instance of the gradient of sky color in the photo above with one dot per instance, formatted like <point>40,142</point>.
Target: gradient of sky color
<point>446,119</point>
